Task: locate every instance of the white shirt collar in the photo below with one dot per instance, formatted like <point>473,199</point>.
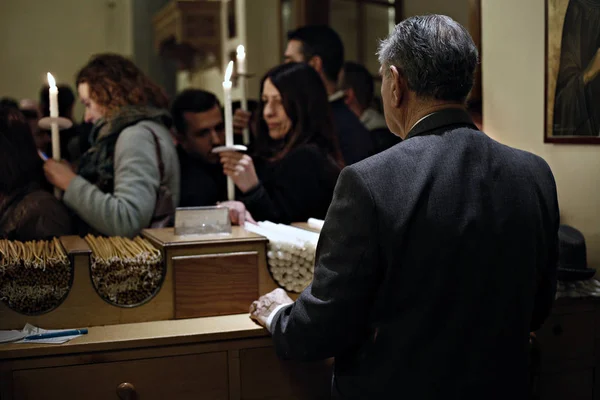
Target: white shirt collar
<point>416,123</point>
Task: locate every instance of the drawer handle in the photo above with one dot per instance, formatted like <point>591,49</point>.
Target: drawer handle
<point>557,330</point>
<point>126,391</point>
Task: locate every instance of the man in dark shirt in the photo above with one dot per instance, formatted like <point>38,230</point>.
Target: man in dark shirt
<point>357,83</point>
<point>322,49</point>
<point>199,123</point>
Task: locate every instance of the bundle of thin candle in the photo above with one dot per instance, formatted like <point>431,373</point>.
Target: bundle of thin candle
<point>125,272</point>
<point>291,253</point>
<point>35,277</point>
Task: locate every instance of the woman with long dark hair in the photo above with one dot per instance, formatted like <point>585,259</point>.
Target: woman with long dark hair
<point>296,160</point>
<point>120,177</point>
<point>27,211</point>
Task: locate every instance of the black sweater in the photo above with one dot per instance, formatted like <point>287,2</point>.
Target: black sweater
<point>201,184</point>
<point>295,188</point>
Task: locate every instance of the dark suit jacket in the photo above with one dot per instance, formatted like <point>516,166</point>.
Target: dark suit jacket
<point>436,260</point>
<point>201,184</point>
<point>354,139</point>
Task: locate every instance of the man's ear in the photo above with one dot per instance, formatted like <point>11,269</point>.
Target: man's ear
<point>317,63</point>
<point>399,87</point>
<point>349,96</point>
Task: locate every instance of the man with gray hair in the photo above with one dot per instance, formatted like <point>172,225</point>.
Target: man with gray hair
<point>437,256</point>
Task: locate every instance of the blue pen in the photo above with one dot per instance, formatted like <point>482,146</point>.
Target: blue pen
<point>43,155</point>
<point>49,335</point>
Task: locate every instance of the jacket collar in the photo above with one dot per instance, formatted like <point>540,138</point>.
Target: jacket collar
<point>439,119</point>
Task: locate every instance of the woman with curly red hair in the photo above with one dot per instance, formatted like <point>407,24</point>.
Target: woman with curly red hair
<point>116,189</point>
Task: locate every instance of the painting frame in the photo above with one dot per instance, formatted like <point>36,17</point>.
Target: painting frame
<point>553,36</point>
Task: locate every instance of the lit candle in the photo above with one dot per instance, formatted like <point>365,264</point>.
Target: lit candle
<point>228,112</point>
<point>241,70</point>
<point>228,122</point>
<point>241,60</point>
<point>54,114</point>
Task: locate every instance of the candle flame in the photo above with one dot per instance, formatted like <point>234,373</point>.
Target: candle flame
<point>51,80</point>
<point>229,71</point>
<point>241,52</point>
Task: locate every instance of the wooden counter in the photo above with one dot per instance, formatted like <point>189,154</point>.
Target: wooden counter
<point>143,334</point>
<point>225,357</point>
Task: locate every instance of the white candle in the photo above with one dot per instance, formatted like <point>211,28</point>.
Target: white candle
<point>54,114</point>
<point>241,70</point>
<point>228,122</point>
<point>241,60</point>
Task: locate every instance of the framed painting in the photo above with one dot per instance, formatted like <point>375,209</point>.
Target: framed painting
<point>572,71</point>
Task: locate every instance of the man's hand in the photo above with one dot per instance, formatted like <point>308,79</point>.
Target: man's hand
<point>264,306</point>
<point>237,212</point>
<point>240,168</point>
<point>241,121</point>
<point>59,174</point>
<point>593,68</point>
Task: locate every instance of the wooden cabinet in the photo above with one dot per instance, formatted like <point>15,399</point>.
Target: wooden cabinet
<point>227,357</point>
<point>284,380</point>
<point>178,377</point>
<point>214,274</point>
<point>205,275</point>
<point>570,365</point>
<point>568,337</point>
<point>215,284</point>
<point>576,384</point>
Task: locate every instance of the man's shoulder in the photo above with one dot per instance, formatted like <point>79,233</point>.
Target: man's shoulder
<point>422,153</point>
<point>344,118</point>
<point>521,159</point>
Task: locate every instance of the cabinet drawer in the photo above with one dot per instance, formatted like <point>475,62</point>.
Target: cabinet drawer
<point>196,376</point>
<point>572,385</point>
<point>567,336</point>
<point>265,376</point>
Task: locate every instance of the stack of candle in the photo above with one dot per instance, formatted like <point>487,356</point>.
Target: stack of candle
<point>35,277</point>
<point>291,253</point>
<point>125,272</point>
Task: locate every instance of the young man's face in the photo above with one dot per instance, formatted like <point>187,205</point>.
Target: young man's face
<point>205,130</point>
<point>293,52</point>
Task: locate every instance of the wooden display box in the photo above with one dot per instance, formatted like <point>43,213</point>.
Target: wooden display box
<point>214,274</point>
<point>83,307</point>
<point>205,275</point>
